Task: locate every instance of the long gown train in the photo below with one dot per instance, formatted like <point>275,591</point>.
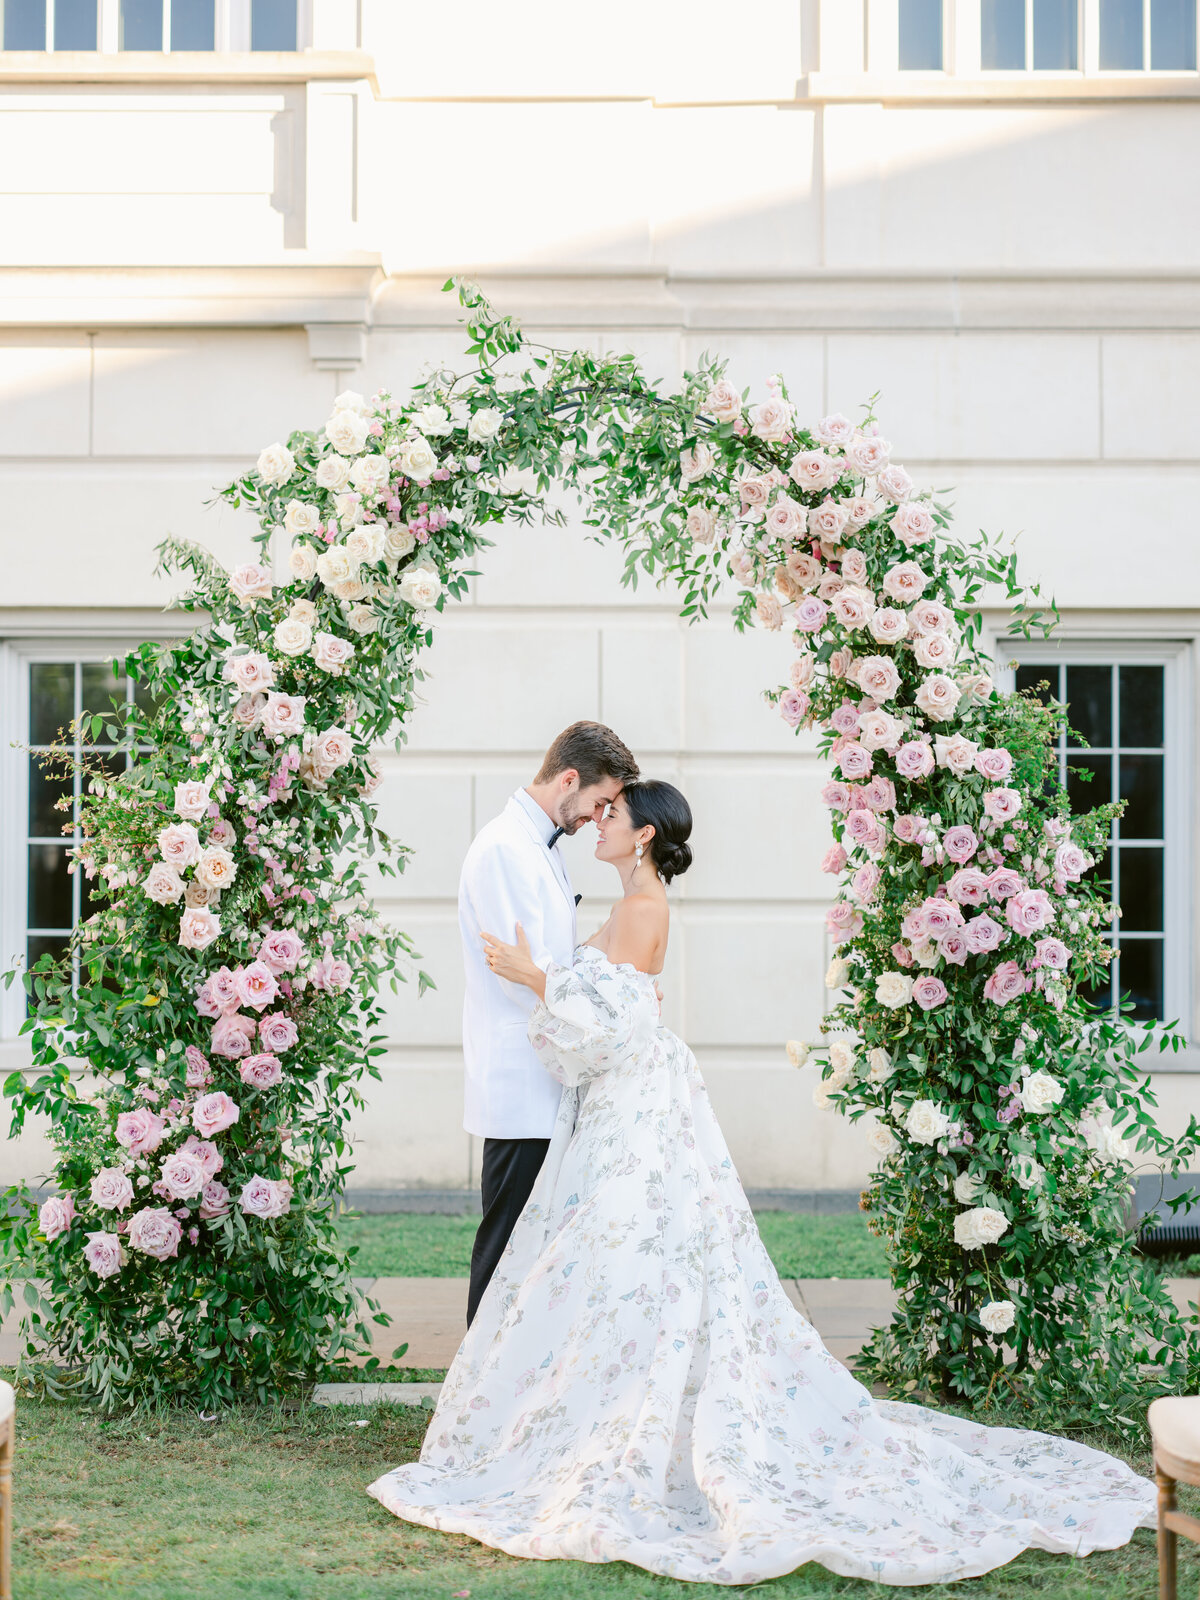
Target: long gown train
<point>636,1385</point>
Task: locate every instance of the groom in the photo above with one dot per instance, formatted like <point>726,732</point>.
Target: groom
<point>514,873</point>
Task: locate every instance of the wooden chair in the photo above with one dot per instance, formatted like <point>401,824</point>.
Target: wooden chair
<point>1175,1429</point>
<point>8,1429</point>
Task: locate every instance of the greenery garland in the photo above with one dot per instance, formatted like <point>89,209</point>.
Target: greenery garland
<point>230,1006</point>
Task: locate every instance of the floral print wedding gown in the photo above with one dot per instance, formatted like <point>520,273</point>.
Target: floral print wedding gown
<point>637,1386</point>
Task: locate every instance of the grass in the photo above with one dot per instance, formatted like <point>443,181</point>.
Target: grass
<point>270,1505</point>
<point>411,1245</point>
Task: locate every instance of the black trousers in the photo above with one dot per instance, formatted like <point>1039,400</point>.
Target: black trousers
<point>510,1169</point>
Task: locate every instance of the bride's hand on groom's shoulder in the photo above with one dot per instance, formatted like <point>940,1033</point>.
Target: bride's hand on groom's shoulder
<point>514,961</point>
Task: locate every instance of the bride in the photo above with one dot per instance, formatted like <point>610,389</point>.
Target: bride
<point>636,1385</point>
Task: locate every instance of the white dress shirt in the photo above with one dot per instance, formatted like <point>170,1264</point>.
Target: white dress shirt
<point>510,876</point>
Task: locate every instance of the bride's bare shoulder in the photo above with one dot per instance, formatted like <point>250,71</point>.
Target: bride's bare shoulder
<point>638,929</point>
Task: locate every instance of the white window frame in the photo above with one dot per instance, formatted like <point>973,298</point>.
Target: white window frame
<point>1175,657</point>
<point>231,26</point>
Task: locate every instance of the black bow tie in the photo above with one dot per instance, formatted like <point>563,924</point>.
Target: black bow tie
<point>554,838</point>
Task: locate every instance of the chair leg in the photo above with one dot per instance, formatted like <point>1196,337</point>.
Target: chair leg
<point>7,1430</point>
<point>1166,1538</point>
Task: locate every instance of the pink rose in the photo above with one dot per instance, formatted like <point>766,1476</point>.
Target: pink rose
<point>835,430</point>
<point>206,1153</point>
<point>994,765</point>
<point>154,1232</point>
<point>854,564</point>
<point>793,707</point>
<point>786,518</point>
<point>256,985</point>
<point>813,470</point>
<point>863,827</point>
<point>845,718</point>
<point>772,419</point>
<point>902,955</point>
<point>968,887</point>
<point>199,1073</point>
<point>879,794</point>
<point>1052,953</point>
<point>1069,862</point>
<point>266,1197</point>
<point>836,796</point>
<point>192,799</point>
<point>223,988</point>
<point>827,523</point>
<point>905,581</point>
<point>140,1131</point>
<point>888,625</point>
<point>251,672</point>
<point>333,749</point>
<point>183,1176</point>
<point>162,884</point>
<point>1029,912</point>
<point>913,926</point>
<point>804,570</point>
<point>277,1032</point>
<point>248,711</point>
<point>723,401</point>
<point>331,974</point>
<point>198,927</point>
<point>914,760</point>
<point>982,934</point>
<point>1001,805</point>
<point>232,1035</point>
<point>56,1215</point>
<point>214,1202</point>
<point>261,1071</point>
<point>930,616</point>
<point>104,1253</point>
<point>754,490</point>
<point>332,654</point>
<point>868,454</point>
<point>910,829</point>
<point>913,524</point>
<point>954,949</point>
<point>876,675</point>
<point>834,859</point>
<point>854,761</point>
<point>180,844</point>
<point>250,582</point>
<point>205,1003</point>
<point>864,883</point>
<point>938,697</point>
<point>1004,883</point>
<point>854,608</point>
<point>840,662</point>
<point>283,714</point>
<point>843,921</point>
<point>213,1113</point>
<point>810,614</point>
<point>929,992</point>
<point>894,484</point>
<point>935,650</point>
<point>940,917</point>
<point>1007,983</point>
<point>281,950</point>
<point>960,843</point>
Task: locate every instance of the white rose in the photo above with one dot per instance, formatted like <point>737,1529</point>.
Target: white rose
<point>1040,1092</point>
<point>696,463</point>
<point>304,611</point>
<point>797,1052</point>
<point>365,543</point>
<point>331,653</point>
<point>346,431</point>
<point>925,1122</point>
<point>982,1226</point>
<point>432,418</point>
<point>215,868</point>
<point>883,1141</point>
<point>701,525</point>
<point>842,1056</point>
<point>484,424</point>
<point>420,588</point>
<point>350,400</point>
<point>334,565</point>
<point>839,971</point>
<point>998,1316</point>
<point>301,518</point>
<point>938,696</point>
<point>893,989</point>
<point>398,542</point>
<point>369,474</point>
<point>276,464</point>
<point>302,560</point>
<point>1027,1172</point>
<point>347,507</point>
<point>880,1064</point>
<point>417,459</point>
<point>967,1189</point>
<point>363,620</point>
<point>333,472</point>
<point>292,637</point>
<point>821,1096</point>
<point>163,884</point>
<point>888,625</point>
<point>348,589</point>
<point>879,731</point>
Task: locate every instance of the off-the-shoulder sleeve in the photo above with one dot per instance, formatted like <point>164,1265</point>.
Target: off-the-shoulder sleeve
<point>594,1017</point>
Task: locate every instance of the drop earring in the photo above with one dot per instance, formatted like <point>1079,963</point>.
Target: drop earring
<point>637,850</point>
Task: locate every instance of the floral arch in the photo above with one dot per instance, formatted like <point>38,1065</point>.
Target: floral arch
<point>232,1005</point>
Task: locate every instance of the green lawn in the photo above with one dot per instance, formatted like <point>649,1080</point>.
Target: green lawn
<point>410,1245</point>
<point>268,1505</point>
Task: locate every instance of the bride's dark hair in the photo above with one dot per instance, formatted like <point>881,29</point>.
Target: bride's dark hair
<point>660,806</point>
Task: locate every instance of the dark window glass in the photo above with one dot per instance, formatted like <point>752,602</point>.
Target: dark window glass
<point>193,24</point>
<point>1141,787</point>
<point>1086,793</point>
<point>44,789</point>
<point>1121,34</point>
<point>1089,705</point>
<point>40,944</point>
<point>91,895</point>
<point>49,887</point>
<point>141,25</point>
<point>921,35</point>
<point>51,699</point>
<point>1030,676</point>
<point>1141,707</point>
<point>1099,994</point>
<point>1173,35</point>
<point>273,24</point>
<point>1141,889</point>
<point>1003,35</point>
<point>1139,974</point>
<point>75,24</point>
<point>146,702</point>
<point>24,24</point>
<point>1055,35</point>
<point>1101,874</point>
<point>100,689</point>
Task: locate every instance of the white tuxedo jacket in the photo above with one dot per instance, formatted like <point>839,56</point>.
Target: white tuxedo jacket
<point>509,876</point>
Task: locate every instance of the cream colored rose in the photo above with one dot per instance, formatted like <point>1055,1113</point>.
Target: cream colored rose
<point>876,675</point>
<point>417,458</point>
<point>216,867</point>
<point>1027,1173</point>
<point>420,588</point>
<point>199,894</point>
<point>348,589</point>
<point>893,990</point>
<point>333,472</point>
<point>786,519</point>
<point>1041,1092</point>
<point>838,972</point>
<point>926,1122</point>
<point>883,1141</point>
<point>854,607</point>
<point>998,1316</point>
<point>302,561</point>
<point>696,463</point>
<point>982,1226</point>
<point>331,653</point>
<point>797,1052</point>
<point>967,1189</point>
<point>350,400</point>
<point>304,611</point>
<point>803,669</point>
<point>888,625</point>
<point>956,753</point>
<point>770,612</point>
<point>292,637</point>
<point>163,883</point>
<point>347,431</point>
<point>879,1064</point>
<point>723,401</point>
<point>369,474</point>
<point>398,542</point>
<point>300,518</point>
<point>935,650</point>
<point>366,542</point>
<point>484,424</point>
<point>276,464</point>
<point>877,730</point>
<point>335,564</point>
<point>363,620</point>
<point>938,697</point>
<point>701,525</point>
<point>842,1055</point>
<point>347,507</point>
<point>198,927</point>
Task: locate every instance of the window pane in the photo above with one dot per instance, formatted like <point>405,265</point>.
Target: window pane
<point>1141,707</point>
<point>146,702</point>
<point>141,25</point>
<point>193,25</point>
<point>1085,793</point>
<point>40,944</point>
<point>1141,889</point>
<point>1003,35</point>
<point>920,35</point>
<point>100,689</point>
<point>1089,705</point>
<point>24,24</point>
<point>1100,876</point>
<point>1121,34</point>
<point>92,895</point>
<point>1139,973</point>
<point>44,789</point>
<point>1173,35</point>
<point>51,699</point>
<point>273,24</point>
<point>75,24</point>
<point>1055,35</point>
<point>1141,786</point>
<point>1029,676</point>
<point>49,887</point>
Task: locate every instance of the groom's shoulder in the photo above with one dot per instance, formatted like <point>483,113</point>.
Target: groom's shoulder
<point>498,835</point>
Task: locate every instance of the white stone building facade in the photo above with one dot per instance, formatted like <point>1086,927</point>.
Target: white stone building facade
<point>218,213</point>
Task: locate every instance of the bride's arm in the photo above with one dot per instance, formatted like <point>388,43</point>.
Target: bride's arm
<point>514,962</point>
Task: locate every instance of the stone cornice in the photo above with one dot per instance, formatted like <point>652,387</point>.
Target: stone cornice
<point>171,68</point>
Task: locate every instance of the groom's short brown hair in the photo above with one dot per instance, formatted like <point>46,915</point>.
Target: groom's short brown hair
<point>593,751</point>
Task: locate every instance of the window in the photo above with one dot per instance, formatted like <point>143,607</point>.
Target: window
<point>1002,35</point>
<point>273,25</point>
<point>1016,35</point>
<point>24,24</point>
<point>60,690</point>
<point>921,35</point>
<point>1134,32</point>
<point>1122,709</point>
<point>1055,36</point>
<point>149,25</point>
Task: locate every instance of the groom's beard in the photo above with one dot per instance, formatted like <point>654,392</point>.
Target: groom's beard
<point>570,818</point>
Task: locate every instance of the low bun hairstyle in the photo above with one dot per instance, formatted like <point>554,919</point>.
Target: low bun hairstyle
<point>658,805</point>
